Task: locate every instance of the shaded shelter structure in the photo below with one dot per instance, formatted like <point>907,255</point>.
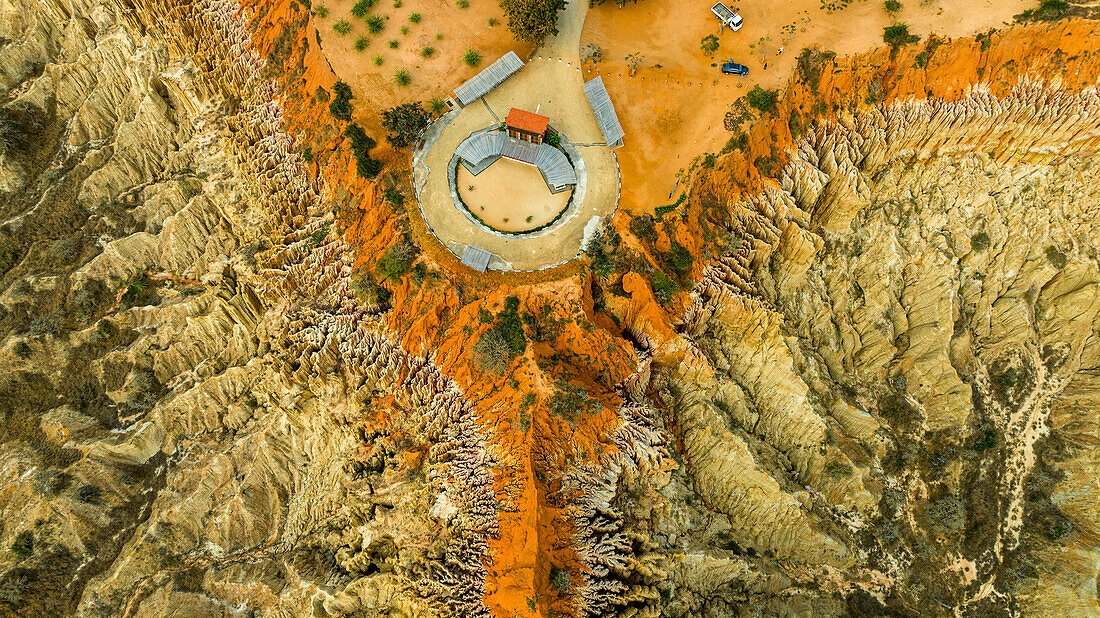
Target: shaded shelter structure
<point>490,77</point>
<point>484,148</point>
<point>605,112</point>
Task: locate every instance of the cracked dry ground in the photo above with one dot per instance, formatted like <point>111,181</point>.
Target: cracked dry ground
<point>875,393</point>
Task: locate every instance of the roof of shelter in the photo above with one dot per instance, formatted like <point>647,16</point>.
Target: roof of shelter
<point>527,121</point>
<point>605,112</point>
<point>490,77</point>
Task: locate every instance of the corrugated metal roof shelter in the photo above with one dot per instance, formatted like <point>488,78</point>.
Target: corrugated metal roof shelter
<point>555,167</point>
<point>492,76</point>
<point>605,112</point>
<point>479,147</point>
<point>476,258</point>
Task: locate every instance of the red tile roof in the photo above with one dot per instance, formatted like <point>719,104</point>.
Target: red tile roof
<point>527,121</point>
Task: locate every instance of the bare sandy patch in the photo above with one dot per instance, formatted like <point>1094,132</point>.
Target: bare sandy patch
<point>444,28</point>
<point>510,196</point>
<point>673,108</point>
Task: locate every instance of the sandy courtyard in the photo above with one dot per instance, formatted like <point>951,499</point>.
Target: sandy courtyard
<point>510,196</point>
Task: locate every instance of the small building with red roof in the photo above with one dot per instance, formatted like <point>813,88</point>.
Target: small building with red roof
<point>527,126</point>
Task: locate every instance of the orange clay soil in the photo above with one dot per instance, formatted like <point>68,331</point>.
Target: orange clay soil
<point>672,109</point>
<point>441,314</point>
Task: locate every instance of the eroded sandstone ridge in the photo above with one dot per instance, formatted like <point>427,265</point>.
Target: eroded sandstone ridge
<point>868,385</point>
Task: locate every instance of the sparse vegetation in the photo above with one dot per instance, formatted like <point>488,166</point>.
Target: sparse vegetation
<point>504,341</point>
<point>375,24</point>
<point>810,64</point>
<point>378,60</point>
<point>342,27</point>
<point>1049,10</point>
<point>472,57</point>
<point>898,35</point>
<point>427,52</point>
<point>437,105</point>
<point>462,4</point>
<point>361,43</point>
<point>404,29</point>
<point>320,11</point>
<point>402,77</point>
<point>492,21</point>
<point>393,197</point>
<point>892,6</point>
<point>664,288</point>
<point>393,44</point>
<point>560,580</point>
<point>415,18</point>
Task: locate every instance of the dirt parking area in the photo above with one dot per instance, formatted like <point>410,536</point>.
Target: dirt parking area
<point>673,108</point>
<point>510,196</point>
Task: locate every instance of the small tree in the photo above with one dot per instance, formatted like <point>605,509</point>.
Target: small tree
<point>532,20</point>
<point>709,45</point>
<point>632,61</point>
<point>404,122</point>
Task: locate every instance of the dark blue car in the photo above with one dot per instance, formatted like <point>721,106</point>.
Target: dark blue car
<point>730,67</point>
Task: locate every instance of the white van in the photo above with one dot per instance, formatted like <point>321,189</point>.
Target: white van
<point>730,19</point>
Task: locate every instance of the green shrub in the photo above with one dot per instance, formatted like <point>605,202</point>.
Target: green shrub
<point>404,29</point>
<point>393,197</point>
<point>472,57</point>
<point>375,24</point>
<point>679,259</point>
<point>892,6</point>
<point>362,7</point>
<point>503,341</point>
<point>320,11</point>
<point>319,235</point>
<point>377,60</point>
<point>979,241</point>
<point>560,580</point>
<point>340,107</point>
<point>437,105</point>
<point>393,43</point>
<point>838,470</point>
<point>361,145</point>
<point>1056,258</point>
<point>709,161</point>
<point>427,52</point>
<point>342,27</point>
<point>402,77</point>
<point>493,21</point>
<point>415,18</point>
<point>763,100</point>
<point>462,4</point>
<point>898,35</point>
<point>361,43</point>
<point>1049,10</point>
<point>397,261</point>
<point>664,288</point>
